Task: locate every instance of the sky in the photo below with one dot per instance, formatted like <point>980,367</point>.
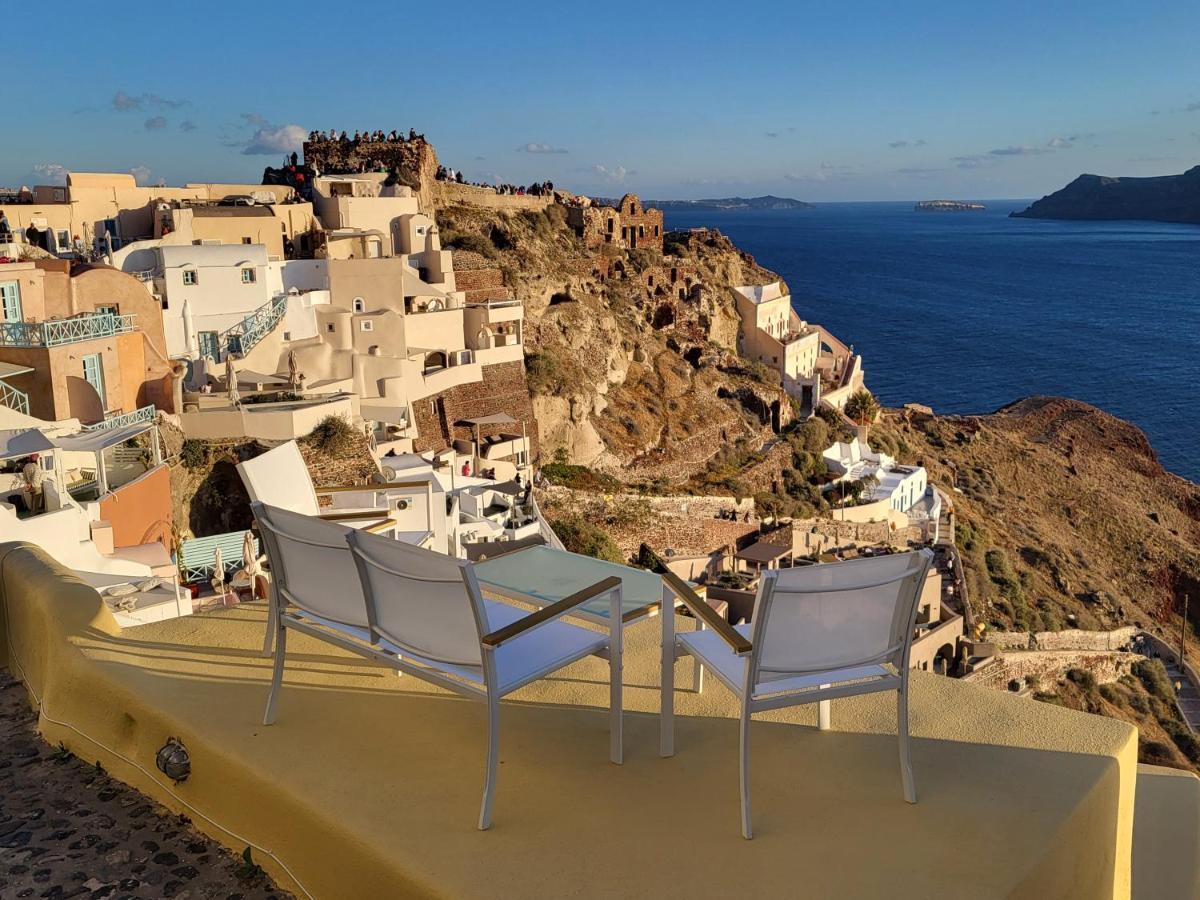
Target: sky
<point>817,101</point>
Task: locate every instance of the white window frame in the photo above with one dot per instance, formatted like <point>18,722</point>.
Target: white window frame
<point>249,276</point>
<point>191,277</point>
<point>10,301</point>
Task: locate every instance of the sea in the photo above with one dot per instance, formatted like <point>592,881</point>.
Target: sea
<point>969,311</point>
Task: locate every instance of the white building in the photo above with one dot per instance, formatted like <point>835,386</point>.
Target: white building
<point>903,487</point>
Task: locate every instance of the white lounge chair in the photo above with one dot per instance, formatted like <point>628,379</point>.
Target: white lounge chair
<point>280,478</point>
<point>818,633</point>
<point>423,613</point>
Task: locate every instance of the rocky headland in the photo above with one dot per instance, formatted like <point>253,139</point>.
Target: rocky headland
<point>1163,198</point>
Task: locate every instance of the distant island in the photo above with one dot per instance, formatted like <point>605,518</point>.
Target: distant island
<point>1163,198</point>
<point>946,206</point>
<point>767,202</point>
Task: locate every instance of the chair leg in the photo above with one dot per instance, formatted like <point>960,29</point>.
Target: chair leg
<point>744,775</point>
<point>276,674</point>
<point>272,620</point>
<point>906,772</point>
<point>489,785</point>
<point>666,709</point>
<point>824,713</point>
<point>699,682</point>
<point>616,737</point>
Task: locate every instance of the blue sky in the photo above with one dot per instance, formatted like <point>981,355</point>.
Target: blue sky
<point>823,101</point>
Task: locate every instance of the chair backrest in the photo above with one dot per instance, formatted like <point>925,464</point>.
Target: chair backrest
<point>419,600</point>
<point>311,565</point>
<point>279,478</point>
<point>837,615</point>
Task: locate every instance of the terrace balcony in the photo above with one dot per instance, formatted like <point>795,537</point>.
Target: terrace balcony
<point>56,332</point>
<point>1015,798</point>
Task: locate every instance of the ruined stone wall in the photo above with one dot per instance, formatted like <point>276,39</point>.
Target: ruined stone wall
<point>502,390</point>
<point>450,193</point>
<point>632,225</point>
<point>1050,666</point>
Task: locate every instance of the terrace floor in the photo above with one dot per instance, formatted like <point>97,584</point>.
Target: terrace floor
<point>369,783</point>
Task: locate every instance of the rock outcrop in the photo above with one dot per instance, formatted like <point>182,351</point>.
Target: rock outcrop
<point>1165,198</point>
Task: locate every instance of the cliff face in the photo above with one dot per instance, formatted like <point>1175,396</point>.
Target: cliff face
<point>1064,511</point>
<point>1166,198</point>
<point>630,353</point>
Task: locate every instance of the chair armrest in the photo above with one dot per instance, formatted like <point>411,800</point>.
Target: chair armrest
<point>378,527</point>
<point>353,515</point>
<point>553,611</point>
<point>705,613</point>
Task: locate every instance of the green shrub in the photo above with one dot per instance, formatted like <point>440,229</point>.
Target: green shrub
<point>476,243</point>
<point>1112,694</point>
<point>1154,752</point>
<point>1083,678</point>
<point>193,454</point>
<point>1138,703</point>
<point>579,477</point>
<point>543,374</point>
<point>333,435</point>
<point>1155,678</point>
<point>580,536</point>
<point>1047,697</point>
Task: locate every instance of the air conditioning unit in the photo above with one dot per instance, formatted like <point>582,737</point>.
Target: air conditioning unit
<point>402,505</point>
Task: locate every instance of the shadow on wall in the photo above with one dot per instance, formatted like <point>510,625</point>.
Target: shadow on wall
<point>83,401</point>
<point>220,504</point>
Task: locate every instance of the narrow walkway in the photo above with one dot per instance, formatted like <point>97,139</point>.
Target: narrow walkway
<point>68,830</point>
<point>1188,696</point>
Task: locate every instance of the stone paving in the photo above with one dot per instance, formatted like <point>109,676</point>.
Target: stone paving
<point>69,830</point>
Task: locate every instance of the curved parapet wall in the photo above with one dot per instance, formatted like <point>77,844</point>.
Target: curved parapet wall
<point>368,785</point>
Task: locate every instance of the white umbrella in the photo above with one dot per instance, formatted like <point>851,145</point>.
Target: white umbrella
<point>231,380</point>
<point>218,581</point>
<point>250,562</point>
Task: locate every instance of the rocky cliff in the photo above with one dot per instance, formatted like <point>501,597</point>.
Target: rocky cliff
<point>1166,198</point>
<point>630,353</point>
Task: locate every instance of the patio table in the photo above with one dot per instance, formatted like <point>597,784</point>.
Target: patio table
<point>542,575</point>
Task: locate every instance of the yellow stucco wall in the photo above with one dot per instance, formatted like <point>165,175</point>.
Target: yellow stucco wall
<point>368,785</point>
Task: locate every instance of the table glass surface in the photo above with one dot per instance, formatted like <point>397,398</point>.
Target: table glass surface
<point>544,575</point>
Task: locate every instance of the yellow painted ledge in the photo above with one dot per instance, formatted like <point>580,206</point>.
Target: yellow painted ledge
<point>1166,835</point>
<point>369,784</point>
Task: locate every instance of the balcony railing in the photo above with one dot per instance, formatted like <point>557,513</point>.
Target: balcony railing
<point>143,414</point>
<point>239,339</point>
<point>14,399</point>
<point>56,332</point>
<point>494,303</point>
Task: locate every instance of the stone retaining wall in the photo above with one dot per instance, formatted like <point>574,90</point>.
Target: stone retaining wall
<point>1069,639</point>
<point>1050,666</point>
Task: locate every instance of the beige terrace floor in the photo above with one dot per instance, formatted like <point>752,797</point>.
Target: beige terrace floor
<point>369,784</point>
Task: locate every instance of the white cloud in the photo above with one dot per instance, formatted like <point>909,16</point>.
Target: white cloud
<point>613,175</point>
<point>141,174</point>
<point>535,147</point>
<point>269,140</point>
<point>123,102</point>
<point>1022,150</point>
<point>49,173</point>
<point>156,123</point>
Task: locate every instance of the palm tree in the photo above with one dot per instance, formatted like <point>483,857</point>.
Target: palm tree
<point>862,408</point>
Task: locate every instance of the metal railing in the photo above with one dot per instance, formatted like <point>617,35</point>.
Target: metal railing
<point>57,332</point>
<point>241,338</point>
<point>142,414</point>
<point>494,303</point>
<point>14,399</point>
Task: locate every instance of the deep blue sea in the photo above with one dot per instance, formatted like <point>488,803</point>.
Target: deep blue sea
<point>968,311</point>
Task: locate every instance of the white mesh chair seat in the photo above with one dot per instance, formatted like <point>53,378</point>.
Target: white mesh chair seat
<point>730,669</point>
<point>518,662</point>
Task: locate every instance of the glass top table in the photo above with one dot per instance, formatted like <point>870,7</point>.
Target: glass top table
<point>542,575</point>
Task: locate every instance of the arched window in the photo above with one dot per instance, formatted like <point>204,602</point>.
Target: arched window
<point>360,305</point>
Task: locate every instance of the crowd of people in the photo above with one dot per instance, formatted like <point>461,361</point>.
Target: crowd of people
<point>537,189</point>
<point>376,136</point>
